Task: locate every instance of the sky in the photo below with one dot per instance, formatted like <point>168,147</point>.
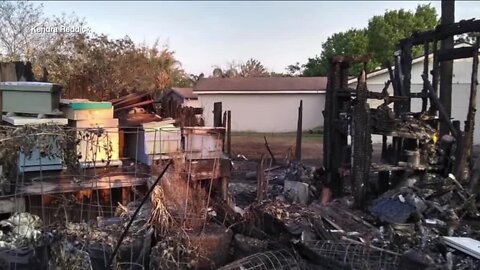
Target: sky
<point>215,33</point>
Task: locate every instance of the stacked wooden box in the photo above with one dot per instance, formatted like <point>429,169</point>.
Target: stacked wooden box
<point>37,103</point>
<point>153,141</point>
<point>35,161</point>
<point>97,130</point>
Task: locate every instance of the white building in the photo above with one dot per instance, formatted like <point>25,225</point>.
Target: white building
<point>264,104</point>
<point>462,71</point>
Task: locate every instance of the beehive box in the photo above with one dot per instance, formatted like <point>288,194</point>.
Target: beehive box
<point>31,97</point>
<point>204,142</point>
<point>35,161</point>
<point>99,146</point>
<point>99,140</point>
<point>83,109</point>
<point>153,141</point>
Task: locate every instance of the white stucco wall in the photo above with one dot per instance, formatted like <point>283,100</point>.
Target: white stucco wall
<point>462,69</point>
<point>266,112</point>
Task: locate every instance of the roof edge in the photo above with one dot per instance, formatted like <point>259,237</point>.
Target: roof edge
<point>261,92</point>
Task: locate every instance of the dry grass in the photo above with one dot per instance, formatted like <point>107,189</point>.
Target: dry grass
<point>252,145</point>
<point>178,203</point>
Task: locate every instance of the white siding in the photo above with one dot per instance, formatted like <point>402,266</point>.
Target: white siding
<point>267,112</point>
<point>462,69</point>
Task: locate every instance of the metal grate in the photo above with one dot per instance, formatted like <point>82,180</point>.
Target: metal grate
<point>271,260</point>
<point>353,255</point>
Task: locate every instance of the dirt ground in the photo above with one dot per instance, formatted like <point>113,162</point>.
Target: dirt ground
<point>252,146</point>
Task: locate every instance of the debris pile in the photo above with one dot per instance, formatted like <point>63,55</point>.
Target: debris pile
<point>89,246</point>
<point>408,226</point>
<point>187,236</point>
<point>23,244</point>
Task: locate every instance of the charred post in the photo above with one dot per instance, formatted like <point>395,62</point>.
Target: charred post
<point>470,122</point>
<point>217,114</point>
<point>425,71</point>
<point>446,67</point>
<point>229,133</point>
<point>298,145</point>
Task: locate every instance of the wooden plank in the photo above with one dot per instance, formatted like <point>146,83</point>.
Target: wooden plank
<point>24,120</point>
<point>465,244</point>
<point>66,186</point>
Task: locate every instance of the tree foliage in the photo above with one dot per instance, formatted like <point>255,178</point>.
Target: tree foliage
<point>378,39</point>
<point>88,64</point>
<point>294,70</point>
<point>384,32</point>
<point>16,21</point>
<point>251,68</point>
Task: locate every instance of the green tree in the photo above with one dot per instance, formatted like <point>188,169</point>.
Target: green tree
<point>351,42</point>
<point>294,70</point>
<point>384,32</point>
<point>379,40</point>
<point>253,68</point>
<point>17,19</point>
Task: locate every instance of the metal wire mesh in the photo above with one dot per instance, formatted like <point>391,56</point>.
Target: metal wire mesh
<point>345,254</point>
<point>87,208</point>
<point>270,260</point>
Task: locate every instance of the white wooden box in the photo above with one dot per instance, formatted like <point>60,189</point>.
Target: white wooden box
<point>203,142</point>
<point>88,114</point>
<point>153,141</point>
<point>35,162</point>
<point>98,144</point>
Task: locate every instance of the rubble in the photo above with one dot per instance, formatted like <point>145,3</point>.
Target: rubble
<point>296,191</point>
<point>412,210</point>
<point>279,259</point>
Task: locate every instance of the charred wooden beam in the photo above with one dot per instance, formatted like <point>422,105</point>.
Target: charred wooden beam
<point>443,114</point>
<point>420,95</point>
<point>334,140</point>
<point>443,31</point>
<point>406,62</point>
<point>261,180</point>
<point>361,143</point>
<point>229,133</point>
<point>435,75</point>
<point>470,122</point>
<point>446,67</point>
<point>457,53</point>
<point>351,59</point>
<point>425,71</point>
<point>270,151</point>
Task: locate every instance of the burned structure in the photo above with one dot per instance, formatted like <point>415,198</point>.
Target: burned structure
<point>138,183</point>
<point>413,142</point>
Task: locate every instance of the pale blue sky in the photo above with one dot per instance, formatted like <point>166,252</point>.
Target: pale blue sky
<point>204,34</point>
